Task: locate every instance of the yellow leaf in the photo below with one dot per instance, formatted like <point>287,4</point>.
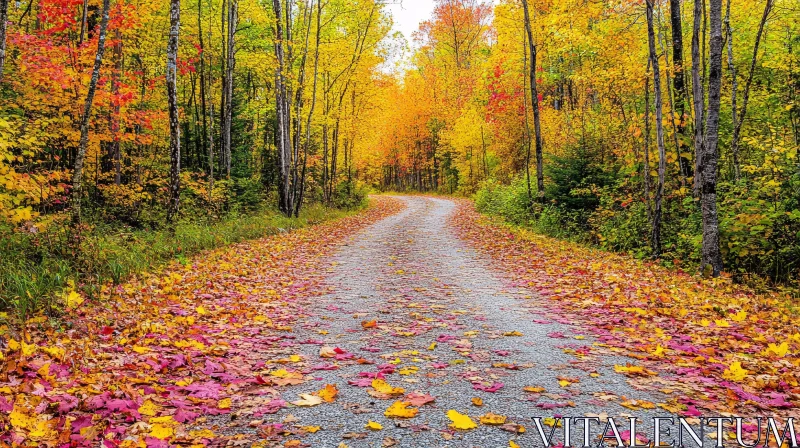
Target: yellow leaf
<point>512,444</point>
<point>402,409</point>
<point>410,370</point>
<point>432,346</point>
<point>201,310</point>
<point>492,419</point>
<point>477,401</point>
<point>705,322</point>
<point>779,350</point>
<point>633,370</point>
<point>44,430</point>
<point>20,420</point>
<point>460,421</point>
<point>73,299</point>
<point>294,358</point>
<point>512,333</point>
<point>311,429</point>
<point>28,349</point>
<point>549,421</point>
<point>280,373</point>
<point>735,372</point>
<point>533,389</point>
<point>225,403</point>
<point>162,427</point>
<point>740,316</point>
<point>375,426</point>
<point>384,388</point>
<point>161,431</point>
<point>722,323</point>
<point>54,352</point>
<point>563,383</point>
<point>148,408</point>
<point>659,351</point>
<point>202,434</point>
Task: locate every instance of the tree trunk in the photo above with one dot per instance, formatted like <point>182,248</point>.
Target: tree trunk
<point>282,143</point>
<point>115,145</point>
<point>3,31</point>
<point>662,156</point>
<point>211,161</point>
<point>646,170</point>
<point>679,84</point>
<point>296,174</point>
<point>711,256</point>
<point>172,98</point>
<point>203,106</point>
<point>535,104</point>
<point>734,88</point>
<point>526,136</point>
<point>737,128</point>
<point>299,201</point>
<point>325,150</point>
<point>233,20</point>
<point>77,177</point>
<point>84,14</point>
<point>697,93</point>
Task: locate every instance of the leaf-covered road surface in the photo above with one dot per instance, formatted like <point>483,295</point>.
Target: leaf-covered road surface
<point>448,331</point>
<point>417,323</point>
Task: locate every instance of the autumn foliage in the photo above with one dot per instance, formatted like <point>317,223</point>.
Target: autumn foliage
<point>461,121</point>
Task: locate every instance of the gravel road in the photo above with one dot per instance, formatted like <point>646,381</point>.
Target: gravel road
<point>449,326</point>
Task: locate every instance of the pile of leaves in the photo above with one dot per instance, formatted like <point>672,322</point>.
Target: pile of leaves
<point>715,347</point>
<point>154,361</point>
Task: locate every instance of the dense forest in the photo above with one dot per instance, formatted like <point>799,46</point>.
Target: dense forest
<point>663,129</point>
<point>122,123</point>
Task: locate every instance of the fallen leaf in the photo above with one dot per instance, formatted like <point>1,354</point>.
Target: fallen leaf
<point>492,419</point>
<point>308,400</point>
<point>401,409</point>
<point>460,421</point>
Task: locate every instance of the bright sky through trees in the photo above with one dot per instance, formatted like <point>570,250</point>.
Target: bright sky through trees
<point>408,14</point>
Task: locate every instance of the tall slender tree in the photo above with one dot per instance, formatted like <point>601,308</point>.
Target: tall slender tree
<point>283,125</point>
<point>230,57</point>
<point>662,156</point>
<point>537,128</point>
<point>698,94</point>
<point>711,255</point>
<point>3,31</point>
<point>734,86</point>
<point>311,108</point>
<point>203,105</point>
<point>739,121</point>
<point>679,84</point>
<point>77,176</point>
<point>174,121</point>
<point>526,135</point>
<point>115,149</point>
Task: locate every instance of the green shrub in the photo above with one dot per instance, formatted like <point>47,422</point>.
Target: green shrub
<point>350,195</point>
<point>511,202</point>
<point>577,178</point>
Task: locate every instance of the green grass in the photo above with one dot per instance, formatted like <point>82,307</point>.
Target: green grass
<point>35,268</point>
